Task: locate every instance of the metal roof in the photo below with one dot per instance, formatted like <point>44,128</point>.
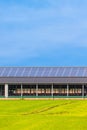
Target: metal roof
<point>43,71</point>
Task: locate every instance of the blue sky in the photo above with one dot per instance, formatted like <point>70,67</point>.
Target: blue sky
<point>43,33</point>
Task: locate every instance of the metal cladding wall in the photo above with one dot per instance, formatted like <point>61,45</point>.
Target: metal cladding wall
<point>78,80</point>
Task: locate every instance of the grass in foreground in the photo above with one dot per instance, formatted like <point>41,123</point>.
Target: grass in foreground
<point>43,115</point>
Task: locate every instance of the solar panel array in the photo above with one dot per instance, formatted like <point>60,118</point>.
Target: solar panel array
<point>43,71</point>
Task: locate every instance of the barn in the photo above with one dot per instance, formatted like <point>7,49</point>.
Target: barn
<point>43,82</point>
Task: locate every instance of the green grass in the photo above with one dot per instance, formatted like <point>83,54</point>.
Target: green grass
<point>43,115</point>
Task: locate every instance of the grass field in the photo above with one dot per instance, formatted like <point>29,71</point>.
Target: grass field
<point>43,115</point>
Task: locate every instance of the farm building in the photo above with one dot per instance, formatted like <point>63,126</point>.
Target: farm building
<point>43,82</point>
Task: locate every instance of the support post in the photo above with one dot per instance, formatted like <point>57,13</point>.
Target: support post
<point>6,90</point>
<point>83,91</point>
<point>36,90</point>
<point>21,91</point>
<point>67,90</point>
<point>52,90</point>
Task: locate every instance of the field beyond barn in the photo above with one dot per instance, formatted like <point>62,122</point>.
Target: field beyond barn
<point>43,114</point>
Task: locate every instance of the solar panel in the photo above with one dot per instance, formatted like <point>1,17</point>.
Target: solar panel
<point>8,74</point>
<point>66,72</point>
<point>43,71</point>
<point>23,72</point>
<point>46,72</point>
<point>69,74</point>
<point>74,71</point>
<point>33,71</point>
<point>1,71</point>
<point>6,71</point>
<point>57,69</point>
<point>60,71</point>
<point>80,71</point>
<point>36,71</point>
<point>50,72</point>
<point>26,72</point>
<point>63,73</point>
<point>11,73</point>
<point>85,72</point>
<point>19,71</point>
<point>53,71</point>
<point>29,70</point>
<point>14,74</point>
<point>39,71</point>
